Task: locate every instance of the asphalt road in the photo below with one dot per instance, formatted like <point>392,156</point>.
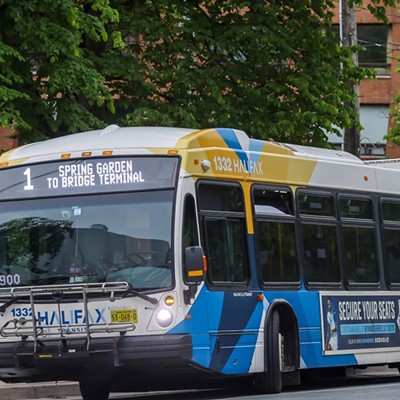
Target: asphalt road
<point>372,384</point>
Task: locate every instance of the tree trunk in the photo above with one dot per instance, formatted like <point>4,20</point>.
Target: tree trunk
<point>349,38</point>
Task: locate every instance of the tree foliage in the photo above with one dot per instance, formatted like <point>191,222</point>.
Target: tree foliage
<point>271,68</point>
<point>48,80</point>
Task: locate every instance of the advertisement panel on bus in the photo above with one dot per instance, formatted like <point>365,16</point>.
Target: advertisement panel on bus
<point>359,322</point>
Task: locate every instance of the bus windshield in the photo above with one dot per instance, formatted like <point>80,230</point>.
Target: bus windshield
<point>94,238</point>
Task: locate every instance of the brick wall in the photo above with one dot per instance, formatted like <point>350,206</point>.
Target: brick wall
<point>7,143</point>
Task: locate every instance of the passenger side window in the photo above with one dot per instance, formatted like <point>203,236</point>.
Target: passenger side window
<point>359,239</point>
<point>320,238</point>
<point>391,226</point>
<point>275,235</point>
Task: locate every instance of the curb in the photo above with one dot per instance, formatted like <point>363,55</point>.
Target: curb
<point>51,390</point>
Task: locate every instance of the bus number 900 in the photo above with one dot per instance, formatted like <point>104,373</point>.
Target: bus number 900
<point>10,280</point>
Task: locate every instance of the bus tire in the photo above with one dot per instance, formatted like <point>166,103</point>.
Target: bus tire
<point>94,390</point>
<point>270,381</point>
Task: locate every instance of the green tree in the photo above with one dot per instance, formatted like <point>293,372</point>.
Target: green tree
<point>48,81</point>
<point>394,133</point>
<point>271,68</point>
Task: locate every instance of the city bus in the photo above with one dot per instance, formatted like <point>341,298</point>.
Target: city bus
<point>141,258</point>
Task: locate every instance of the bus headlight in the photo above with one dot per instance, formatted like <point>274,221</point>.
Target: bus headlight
<point>164,318</point>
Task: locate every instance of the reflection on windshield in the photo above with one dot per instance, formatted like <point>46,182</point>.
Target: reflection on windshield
<point>104,238</point>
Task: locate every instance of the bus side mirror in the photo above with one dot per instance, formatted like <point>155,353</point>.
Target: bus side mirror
<point>194,265</point>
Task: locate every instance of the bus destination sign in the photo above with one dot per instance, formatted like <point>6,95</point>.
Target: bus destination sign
<point>87,176</point>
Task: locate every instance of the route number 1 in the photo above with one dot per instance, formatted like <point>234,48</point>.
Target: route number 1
<point>28,185</point>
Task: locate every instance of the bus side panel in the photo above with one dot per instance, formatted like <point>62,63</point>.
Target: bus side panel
<point>195,323</point>
<point>307,309</point>
<point>225,329</point>
<point>236,330</point>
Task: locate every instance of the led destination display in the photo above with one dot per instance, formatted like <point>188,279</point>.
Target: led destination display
<point>88,176</point>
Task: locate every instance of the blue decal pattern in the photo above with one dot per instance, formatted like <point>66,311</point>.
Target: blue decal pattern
<point>236,314</point>
<point>230,138</point>
<point>218,321</point>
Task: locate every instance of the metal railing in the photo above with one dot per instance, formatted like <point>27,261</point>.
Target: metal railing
<point>33,326</point>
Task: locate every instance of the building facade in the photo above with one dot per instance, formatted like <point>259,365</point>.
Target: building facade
<point>7,139</point>
<point>382,49</point>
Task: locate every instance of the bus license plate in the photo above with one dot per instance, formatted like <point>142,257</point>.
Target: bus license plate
<point>125,315</point>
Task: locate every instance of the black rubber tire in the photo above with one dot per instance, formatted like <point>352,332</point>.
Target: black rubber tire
<point>270,381</point>
<point>94,390</point>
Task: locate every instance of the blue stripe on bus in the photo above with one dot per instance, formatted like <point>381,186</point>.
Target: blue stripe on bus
<point>232,317</point>
<point>241,356</point>
<point>236,314</point>
<point>232,142</point>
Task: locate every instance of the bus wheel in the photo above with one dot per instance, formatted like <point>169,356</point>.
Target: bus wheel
<point>94,390</point>
<point>270,381</point>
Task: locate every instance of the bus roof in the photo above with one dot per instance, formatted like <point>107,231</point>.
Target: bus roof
<point>390,163</point>
<point>221,153</point>
<point>137,140</point>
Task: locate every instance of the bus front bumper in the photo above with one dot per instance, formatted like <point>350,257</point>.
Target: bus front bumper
<point>74,359</point>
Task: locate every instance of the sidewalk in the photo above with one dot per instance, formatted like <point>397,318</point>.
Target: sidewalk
<point>24,391</point>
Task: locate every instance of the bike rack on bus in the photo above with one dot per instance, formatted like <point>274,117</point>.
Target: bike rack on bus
<point>25,327</point>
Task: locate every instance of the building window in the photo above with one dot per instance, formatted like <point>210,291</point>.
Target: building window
<point>375,122</point>
<point>374,39</point>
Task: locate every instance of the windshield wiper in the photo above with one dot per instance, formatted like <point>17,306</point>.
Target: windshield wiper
<point>47,280</point>
<point>143,296</point>
<point>129,291</point>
